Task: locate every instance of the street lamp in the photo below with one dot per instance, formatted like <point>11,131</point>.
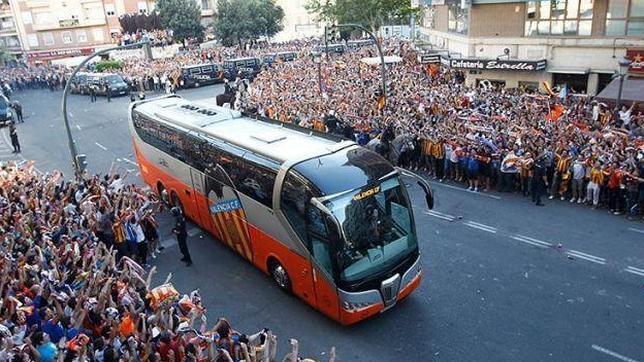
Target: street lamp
<point>78,160</point>
<point>624,64</point>
<point>317,59</point>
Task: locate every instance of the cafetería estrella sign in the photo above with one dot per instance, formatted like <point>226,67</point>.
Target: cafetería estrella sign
<point>495,64</point>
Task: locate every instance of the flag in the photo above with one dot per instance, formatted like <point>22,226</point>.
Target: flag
<point>555,113</point>
<point>563,93</point>
<point>546,86</point>
<point>381,102</point>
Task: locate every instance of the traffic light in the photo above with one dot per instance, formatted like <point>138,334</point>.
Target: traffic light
<point>81,161</point>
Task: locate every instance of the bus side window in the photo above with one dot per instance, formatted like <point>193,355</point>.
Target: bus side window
<point>295,195</point>
<point>319,236</point>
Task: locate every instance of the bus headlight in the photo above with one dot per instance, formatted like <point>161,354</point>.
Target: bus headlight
<point>353,306</point>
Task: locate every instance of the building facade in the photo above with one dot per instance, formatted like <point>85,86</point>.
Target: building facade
<point>522,44</point>
<point>9,38</point>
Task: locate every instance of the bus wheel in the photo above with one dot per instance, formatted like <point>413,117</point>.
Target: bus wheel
<point>280,276</point>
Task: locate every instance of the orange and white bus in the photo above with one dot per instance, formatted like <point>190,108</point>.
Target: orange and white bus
<point>329,220</point>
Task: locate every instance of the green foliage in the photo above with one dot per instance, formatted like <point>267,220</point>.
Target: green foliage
<point>130,23</point>
<point>108,65</point>
<point>239,21</point>
<point>182,16</point>
<point>369,13</point>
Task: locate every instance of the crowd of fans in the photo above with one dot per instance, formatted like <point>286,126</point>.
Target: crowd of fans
<point>480,135</point>
<point>74,285</point>
<point>483,136</point>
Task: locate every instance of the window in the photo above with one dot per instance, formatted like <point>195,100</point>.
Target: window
<point>43,18</point>
<point>625,17</point>
<point>205,4</point>
<point>255,176</point>
<point>558,17</point>
<point>98,34</point>
<point>67,37</point>
<point>109,10</point>
<point>48,38</point>
<point>458,19</point>
<point>295,195</point>
<point>32,40</point>
<point>81,36</point>
<point>26,17</point>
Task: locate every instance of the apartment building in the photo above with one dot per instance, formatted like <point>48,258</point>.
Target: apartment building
<point>9,38</point>
<point>523,43</point>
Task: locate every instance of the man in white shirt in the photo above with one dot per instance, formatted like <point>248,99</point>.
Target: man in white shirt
<point>625,115</point>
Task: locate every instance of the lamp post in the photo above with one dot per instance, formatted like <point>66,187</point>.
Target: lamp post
<point>382,57</point>
<point>624,64</point>
<point>76,158</point>
<point>317,59</point>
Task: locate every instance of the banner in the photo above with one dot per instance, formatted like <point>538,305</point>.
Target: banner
<point>636,56</point>
<point>495,64</point>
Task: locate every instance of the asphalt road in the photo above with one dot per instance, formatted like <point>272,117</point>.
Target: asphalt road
<point>504,281</point>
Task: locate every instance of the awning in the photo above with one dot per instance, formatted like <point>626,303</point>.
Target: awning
<point>632,91</point>
<point>566,70</point>
<point>376,60</point>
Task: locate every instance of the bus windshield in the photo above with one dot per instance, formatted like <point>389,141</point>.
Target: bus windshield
<point>376,223</point>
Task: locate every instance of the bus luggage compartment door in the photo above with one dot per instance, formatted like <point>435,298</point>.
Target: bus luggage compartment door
<point>201,200</point>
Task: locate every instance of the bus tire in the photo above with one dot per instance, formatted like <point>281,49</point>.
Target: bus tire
<point>279,275</point>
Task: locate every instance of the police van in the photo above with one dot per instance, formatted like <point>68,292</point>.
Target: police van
<point>201,74</point>
<point>244,67</point>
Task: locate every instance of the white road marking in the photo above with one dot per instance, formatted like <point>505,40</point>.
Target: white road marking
<point>636,230</point>
<point>78,127</point>
<point>194,231</point>
<point>440,215</point>
<point>517,238</point>
<point>100,146</point>
<point>634,270</point>
<point>533,240</point>
<point>483,227</point>
<point>130,162</point>
<point>588,257</point>
<point>612,354</point>
<point>168,242</point>
<point>466,190</point>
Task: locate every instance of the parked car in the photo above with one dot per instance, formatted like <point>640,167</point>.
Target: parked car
<point>6,116</point>
<point>108,82</point>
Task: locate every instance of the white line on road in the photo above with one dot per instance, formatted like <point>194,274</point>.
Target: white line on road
<point>533,240</point>
<point>130,162</point>
<point>78,127</point>
<point>100,146</point>
<point>483,227</point>
<point>194,231</point>
<point>528,242</point>
<point>466,190</point>
<point>611,353</point>
<point>636,230</point>
<point>634,270</point>
<point>440,215</point>
<point>588,257</point>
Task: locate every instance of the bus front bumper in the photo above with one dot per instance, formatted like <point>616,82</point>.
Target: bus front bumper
<point>358,306</point>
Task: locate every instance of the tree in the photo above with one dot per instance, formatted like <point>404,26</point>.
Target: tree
<point>182,16</point>
<point>369,13</point>
<point>131,23</point>
<point>239,21</point>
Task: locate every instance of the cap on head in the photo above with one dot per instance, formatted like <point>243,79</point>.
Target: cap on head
<point>175,211</point>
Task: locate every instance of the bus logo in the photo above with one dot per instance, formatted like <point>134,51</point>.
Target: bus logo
<point>367,193</point>
<point>225,206</point>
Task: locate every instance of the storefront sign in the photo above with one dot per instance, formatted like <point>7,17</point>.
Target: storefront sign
<point>60,53</point>
<point>493,64</point>
<point>636,56</point>
<point>429,58</point>
<point>66,23</point>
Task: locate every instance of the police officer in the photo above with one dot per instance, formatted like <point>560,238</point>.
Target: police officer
<point>539,181</point>
<point>180,230</point>
<point>13,134</point>
<point>92,93</point>
<point>108,92</point>
<point>17,107</point>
